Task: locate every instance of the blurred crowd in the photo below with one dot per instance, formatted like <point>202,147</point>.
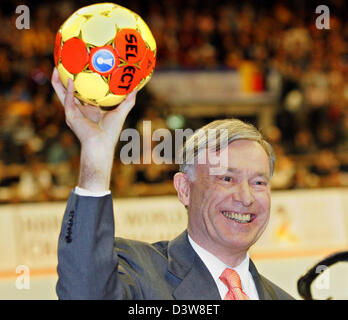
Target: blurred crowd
<point>39,156</point>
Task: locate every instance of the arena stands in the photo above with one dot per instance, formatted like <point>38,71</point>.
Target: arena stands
<point>39,155</point>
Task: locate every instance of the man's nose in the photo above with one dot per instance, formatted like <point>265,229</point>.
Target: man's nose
<point>244,194</point>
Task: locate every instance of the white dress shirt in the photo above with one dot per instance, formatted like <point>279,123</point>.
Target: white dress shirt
<point>216,267</point>
<point>87,193</point>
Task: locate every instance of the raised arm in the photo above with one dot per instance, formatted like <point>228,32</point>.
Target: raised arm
<point>97,131</point>
<point>87,261</point>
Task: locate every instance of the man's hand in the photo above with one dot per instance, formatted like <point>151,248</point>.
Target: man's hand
<point>97,131</point>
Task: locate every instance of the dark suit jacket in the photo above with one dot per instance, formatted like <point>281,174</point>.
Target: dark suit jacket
<point>92,264</point>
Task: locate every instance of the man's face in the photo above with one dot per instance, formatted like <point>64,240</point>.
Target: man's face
<point>228,212</point>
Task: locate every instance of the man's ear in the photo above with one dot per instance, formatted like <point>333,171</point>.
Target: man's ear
<point>182,186</point>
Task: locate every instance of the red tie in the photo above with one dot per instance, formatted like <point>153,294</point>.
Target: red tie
<point>231,279</point>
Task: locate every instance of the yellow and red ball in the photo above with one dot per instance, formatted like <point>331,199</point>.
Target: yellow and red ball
<point>107,50</point>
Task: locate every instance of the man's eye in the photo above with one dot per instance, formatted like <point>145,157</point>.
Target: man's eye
<point>260,183</point>
<point>227,179</point>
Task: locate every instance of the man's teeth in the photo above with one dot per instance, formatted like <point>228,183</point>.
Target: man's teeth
<point>242,218</point>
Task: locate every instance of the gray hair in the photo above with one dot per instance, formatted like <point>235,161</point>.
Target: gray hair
<point>236,130</point>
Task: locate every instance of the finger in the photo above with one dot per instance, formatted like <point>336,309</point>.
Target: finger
<point>69,101</point>
<point>71,109</point>
<point>126,106</point>
<point>58,86</point>
<point>91,112</point>
<point>113,120</point>
<point>121,112</point>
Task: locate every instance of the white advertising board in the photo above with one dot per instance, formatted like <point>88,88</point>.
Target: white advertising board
<point>302,222</point>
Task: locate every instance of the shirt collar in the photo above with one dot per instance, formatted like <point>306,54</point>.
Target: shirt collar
<point>216,266</point>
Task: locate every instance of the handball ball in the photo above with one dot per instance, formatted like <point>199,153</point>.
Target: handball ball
<point>107,50</point>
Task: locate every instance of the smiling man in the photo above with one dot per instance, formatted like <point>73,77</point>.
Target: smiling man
<point>228,205</point>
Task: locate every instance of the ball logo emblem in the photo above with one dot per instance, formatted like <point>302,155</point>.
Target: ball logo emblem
<point>103,60</point>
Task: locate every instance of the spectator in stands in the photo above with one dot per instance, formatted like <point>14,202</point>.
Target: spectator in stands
<point>327,168</point>
<point>304,142</point>
<point>63,150</point>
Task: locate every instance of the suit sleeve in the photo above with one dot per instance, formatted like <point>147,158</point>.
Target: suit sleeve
<point>87,259</point>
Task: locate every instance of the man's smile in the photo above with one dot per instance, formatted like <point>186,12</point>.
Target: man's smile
<point>239,217</point>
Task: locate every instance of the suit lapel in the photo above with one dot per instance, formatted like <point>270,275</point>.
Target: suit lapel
<point>195,280</point>
<point>185,264</point>
<point>264,290</point>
